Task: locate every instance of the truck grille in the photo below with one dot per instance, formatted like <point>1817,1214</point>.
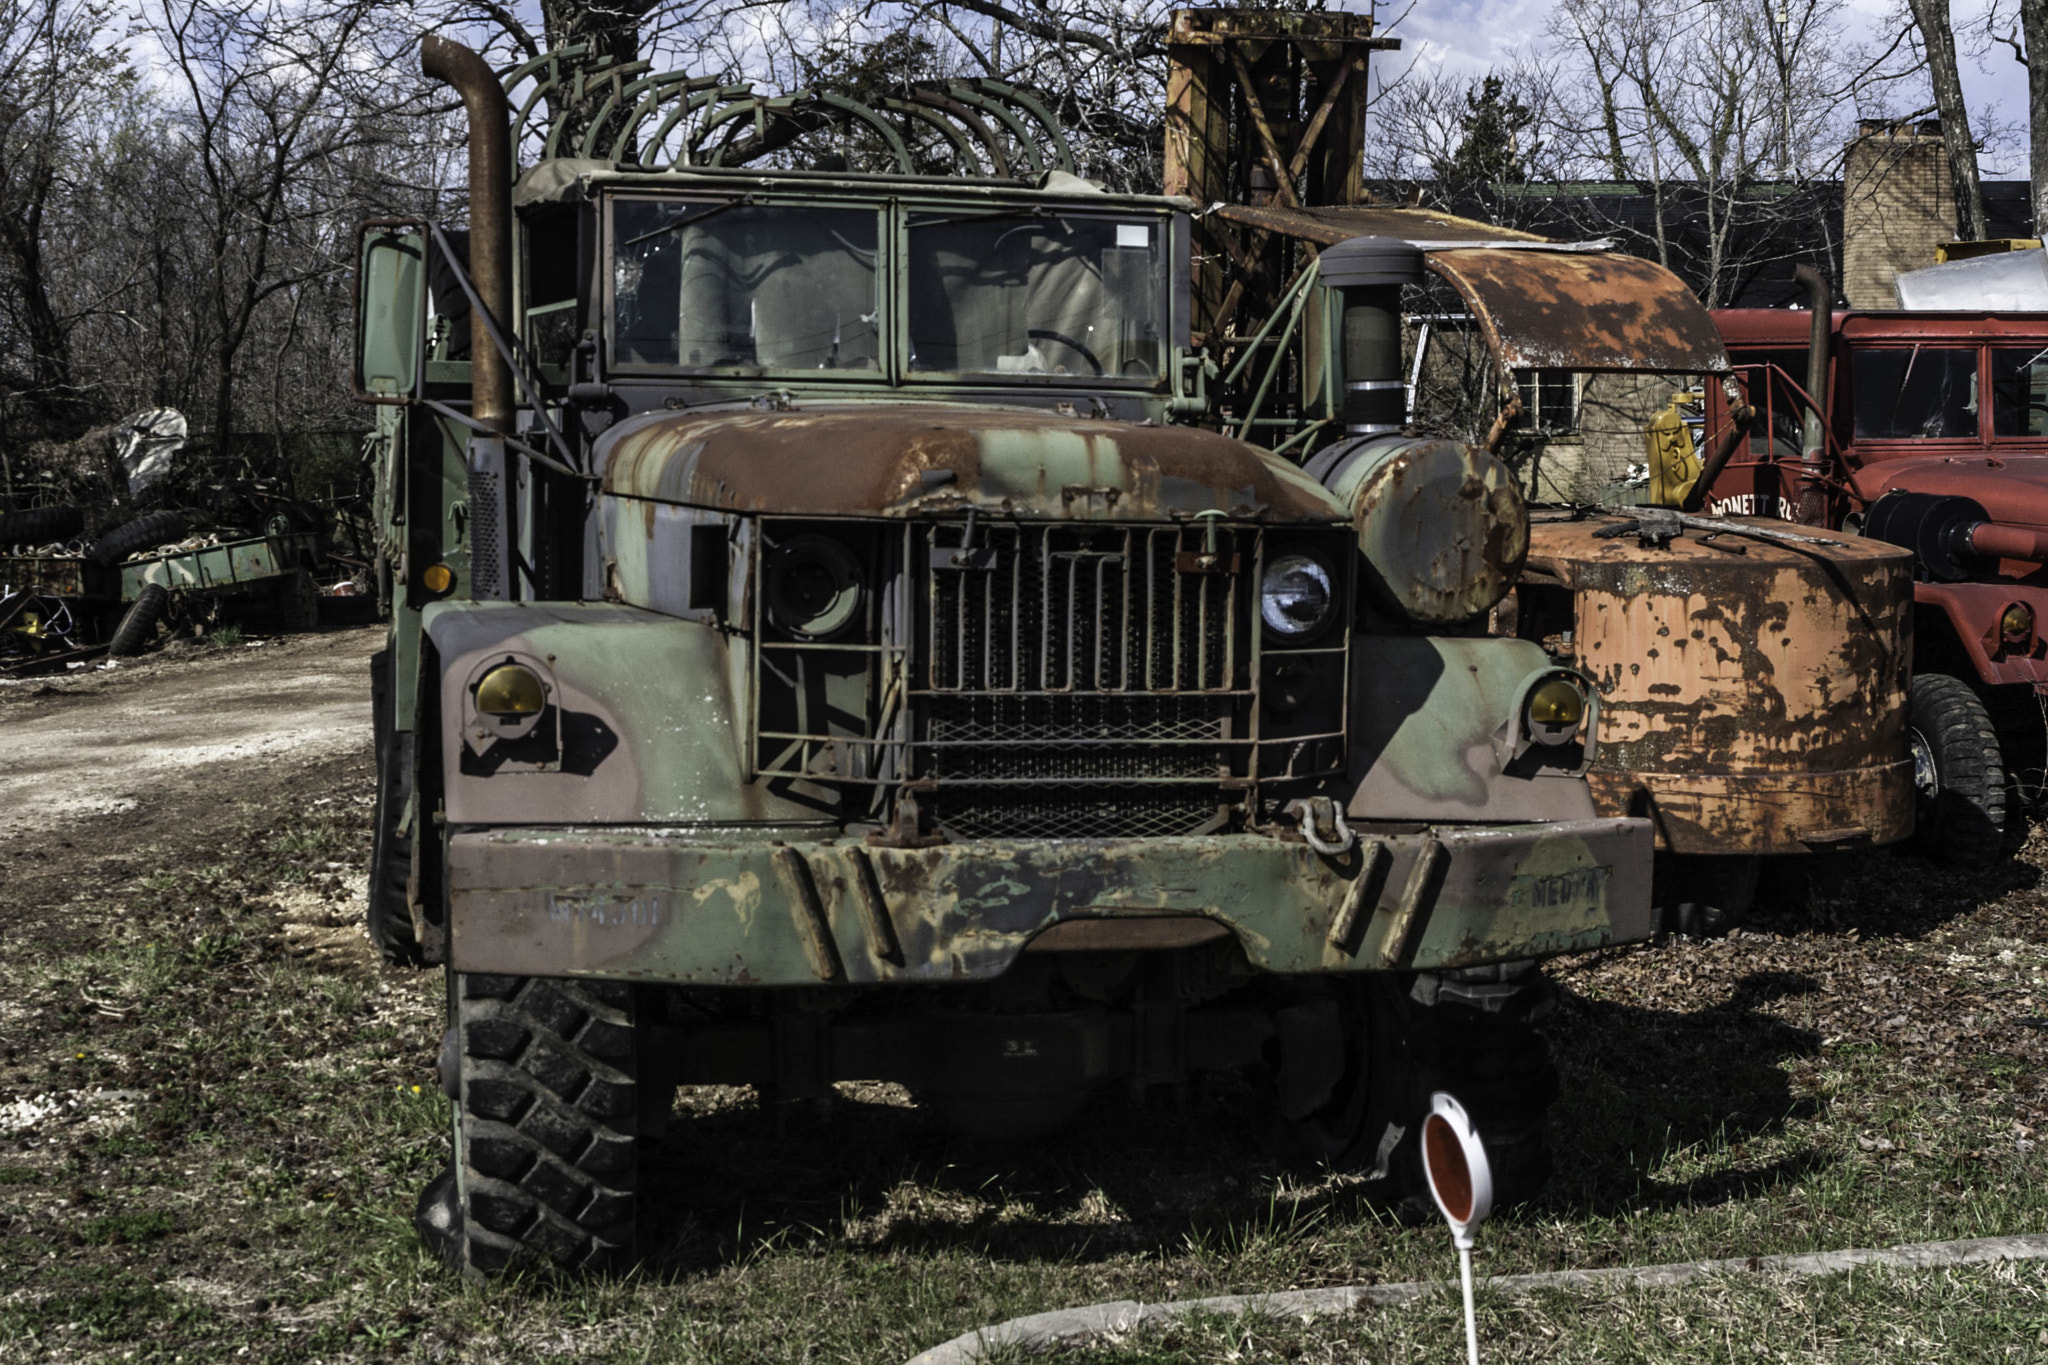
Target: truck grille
<point>1075,609</point>
<point>1075,680</point>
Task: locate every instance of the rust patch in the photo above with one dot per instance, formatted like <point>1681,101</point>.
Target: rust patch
<point>903,459</point>
<point>1743,699</point>
<point>1329,225</point>
<point>1583,311</point>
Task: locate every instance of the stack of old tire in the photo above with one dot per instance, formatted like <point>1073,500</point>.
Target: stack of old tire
<point>40,526</point>
<point>139,622</point>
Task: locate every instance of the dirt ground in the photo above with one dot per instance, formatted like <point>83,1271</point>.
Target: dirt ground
<point>217,1107</point>
<point>146,737</point>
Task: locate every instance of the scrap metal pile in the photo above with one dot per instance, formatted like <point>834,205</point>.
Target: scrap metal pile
<point>79,581</point>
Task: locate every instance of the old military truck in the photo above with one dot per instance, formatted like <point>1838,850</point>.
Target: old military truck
<point>816,656</point>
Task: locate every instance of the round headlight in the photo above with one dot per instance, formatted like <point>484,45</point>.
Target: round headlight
<point>2018,620</point>
<point>1556,708</point>
<point>1296,597</point>
<point>813,587</point>
<point>511,690</point>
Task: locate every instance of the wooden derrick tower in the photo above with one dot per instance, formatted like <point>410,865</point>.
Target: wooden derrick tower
<point>1263,108</point>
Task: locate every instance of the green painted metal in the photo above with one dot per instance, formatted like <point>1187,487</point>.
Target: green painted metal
<point>390,334</point>
<point>717,910</point>
<point>233,566</point>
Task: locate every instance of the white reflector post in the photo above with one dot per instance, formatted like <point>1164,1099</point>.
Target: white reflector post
<point>1461,1182</point>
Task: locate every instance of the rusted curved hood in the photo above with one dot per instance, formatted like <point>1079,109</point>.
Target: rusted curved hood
<point>2011,488</point>
<point>906,459</point>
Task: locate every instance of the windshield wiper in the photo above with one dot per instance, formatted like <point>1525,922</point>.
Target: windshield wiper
<point>979,218</point>
<point>682,223</point>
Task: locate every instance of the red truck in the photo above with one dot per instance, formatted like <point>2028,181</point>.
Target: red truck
<point>1928,430</point>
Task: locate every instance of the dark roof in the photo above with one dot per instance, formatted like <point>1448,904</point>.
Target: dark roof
<point>1788,223</point>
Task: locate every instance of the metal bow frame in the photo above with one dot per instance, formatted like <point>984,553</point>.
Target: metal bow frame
<point>645,120</point>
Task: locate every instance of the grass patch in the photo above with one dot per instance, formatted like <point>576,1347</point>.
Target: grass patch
<point>1984,1313</point>
<point>255,1122</point>
<point>117,1228</point>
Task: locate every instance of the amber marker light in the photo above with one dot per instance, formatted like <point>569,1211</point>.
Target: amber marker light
<point>510,690</point>
<point>438,578</point>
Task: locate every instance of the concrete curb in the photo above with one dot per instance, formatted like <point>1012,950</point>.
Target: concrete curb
<point>1072,1326</point>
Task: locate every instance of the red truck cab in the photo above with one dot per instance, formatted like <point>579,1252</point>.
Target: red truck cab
<point>1933,435</point>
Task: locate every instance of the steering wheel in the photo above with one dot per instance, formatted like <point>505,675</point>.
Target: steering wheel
<point>1042,334</point>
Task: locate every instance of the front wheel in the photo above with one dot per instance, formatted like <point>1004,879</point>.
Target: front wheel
<point>388,915</point>
<point>1468,1032</point>
<point>544,1075</point>
<point>1958,773</point>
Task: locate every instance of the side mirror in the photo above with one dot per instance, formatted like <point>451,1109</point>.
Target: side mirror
<point>391,311</point>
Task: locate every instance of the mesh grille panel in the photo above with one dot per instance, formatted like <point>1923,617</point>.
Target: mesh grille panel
<point>1098,813</point>
<point>486,556</point>
<point>1084,738</point>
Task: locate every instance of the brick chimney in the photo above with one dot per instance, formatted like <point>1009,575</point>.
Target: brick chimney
<point>1898,204</point>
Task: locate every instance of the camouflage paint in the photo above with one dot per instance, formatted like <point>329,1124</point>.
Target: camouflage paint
<point>722,909</point>
<point>1431,721</point>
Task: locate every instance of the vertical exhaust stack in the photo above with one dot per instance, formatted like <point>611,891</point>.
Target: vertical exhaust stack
<point>490,215</point>
<point>1368,272</point>
<point>1820,298</point>
<point>492,520</point>
<point>1441,525</point>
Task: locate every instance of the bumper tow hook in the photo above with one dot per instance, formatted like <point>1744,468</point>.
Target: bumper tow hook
<point>1322,824</point>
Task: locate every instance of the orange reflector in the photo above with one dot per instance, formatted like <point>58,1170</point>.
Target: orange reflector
<point>438,578</point>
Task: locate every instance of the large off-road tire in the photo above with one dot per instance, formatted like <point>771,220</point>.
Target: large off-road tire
<point>139,622</point>
<point>40,525</point>
<point>389,917</point>
<point>1468,1032</point>
<point>297,602</point>
<point>546,1173</point>
<point>1704,895</point>
<point>1958,773</point>
<point>146,532</point>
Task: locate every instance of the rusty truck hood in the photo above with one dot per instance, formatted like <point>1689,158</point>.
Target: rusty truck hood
<point>908,459</point>
<point>1544,310</point>
<point>2011,488</point>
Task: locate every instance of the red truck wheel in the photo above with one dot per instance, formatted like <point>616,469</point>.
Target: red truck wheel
<point>1958,772</point>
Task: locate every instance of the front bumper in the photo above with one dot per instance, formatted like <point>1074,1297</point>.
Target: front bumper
<point>725,908</point>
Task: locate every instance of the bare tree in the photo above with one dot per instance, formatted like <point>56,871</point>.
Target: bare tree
<point>2027,37</point>
<point>1720,124</point>
<point>56,65</point>
<point>274,93</point>
<point>1938,41</point>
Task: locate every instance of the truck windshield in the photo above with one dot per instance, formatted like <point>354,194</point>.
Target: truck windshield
<point>1037,293</point>
<point>1918,392</point>
<point>732,286</point>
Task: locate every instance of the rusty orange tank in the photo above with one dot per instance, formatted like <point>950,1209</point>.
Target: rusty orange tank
<point>1752,678</point>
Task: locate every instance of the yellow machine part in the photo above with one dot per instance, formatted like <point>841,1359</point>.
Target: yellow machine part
<point>1963,251</point>
<point>1674,459</point>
